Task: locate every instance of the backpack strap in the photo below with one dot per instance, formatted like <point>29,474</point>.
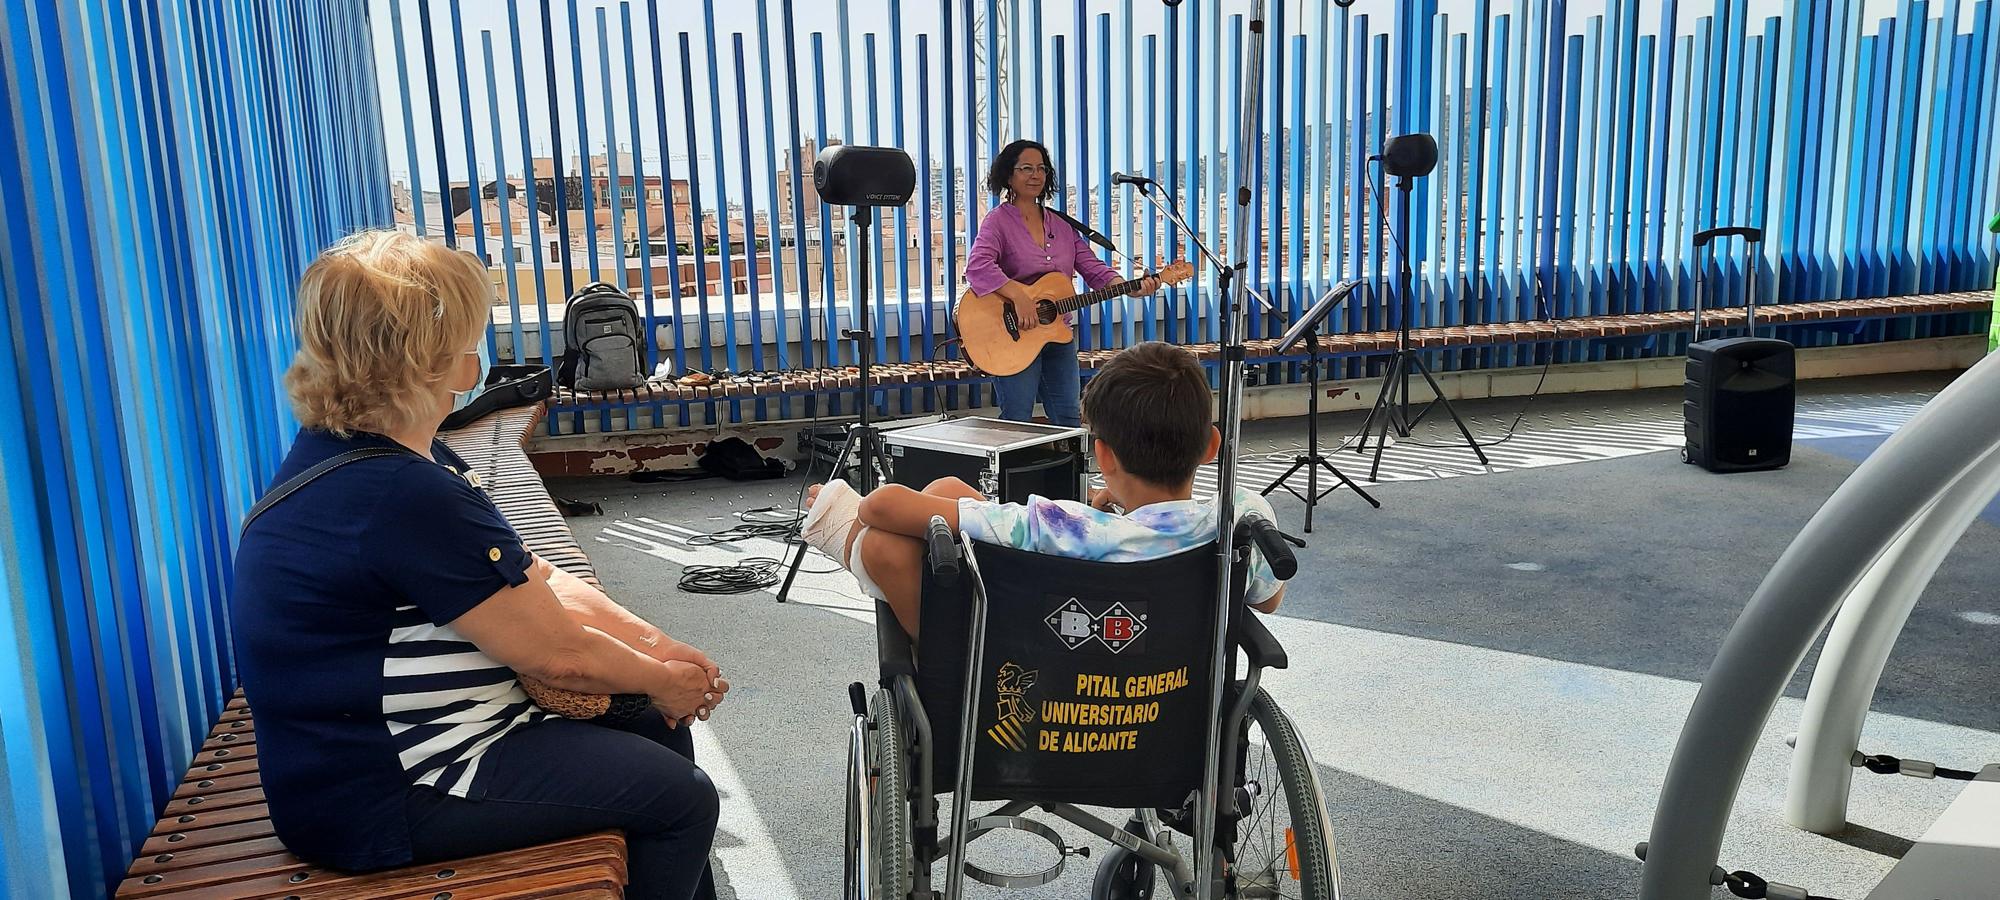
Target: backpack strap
<point>306,477</point>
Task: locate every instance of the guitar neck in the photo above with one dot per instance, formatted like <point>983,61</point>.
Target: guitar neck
<point>1097,296</point>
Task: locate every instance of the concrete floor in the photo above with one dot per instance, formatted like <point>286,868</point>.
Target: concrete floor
<point>1491,671</point>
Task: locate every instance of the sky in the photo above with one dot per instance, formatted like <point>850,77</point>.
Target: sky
<point>484,20</point>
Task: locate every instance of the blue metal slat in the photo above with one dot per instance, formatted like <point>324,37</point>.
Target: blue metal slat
<point>1102,118</point>
<point>1179,322</point>
<point>1148,218</point>
<point>877,305</point>
<point>798,188</point>
<point>928,226</point>
<point>896,138</point>
<point>528,174</point>
<point>556,167</point>
<point>780,308</point>
<point>647,300</point>
<point>830,309</point>
<point>1294,248</point>
<point>698,241</point>
<point>756,348</point>
<point>588,172</point>
<point>655,51</point>
<point>409,120</point>
<point>508,270</point>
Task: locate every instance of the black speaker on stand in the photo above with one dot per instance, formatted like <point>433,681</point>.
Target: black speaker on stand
<point>1741,392</point>
<point>862,178</point>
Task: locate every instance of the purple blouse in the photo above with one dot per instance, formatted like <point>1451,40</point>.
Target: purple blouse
<point>1004,251</point>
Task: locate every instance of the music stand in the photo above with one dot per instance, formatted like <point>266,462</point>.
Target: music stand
<point>1306,330</point>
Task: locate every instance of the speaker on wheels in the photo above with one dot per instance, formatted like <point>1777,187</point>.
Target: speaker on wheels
<point>1740,392</point>
<point>1740,395</point>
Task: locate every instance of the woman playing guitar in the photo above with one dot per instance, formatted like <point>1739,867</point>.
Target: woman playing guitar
<point>1017,243</point>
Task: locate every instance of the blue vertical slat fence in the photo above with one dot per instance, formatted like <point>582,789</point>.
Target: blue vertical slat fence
<point>154,218</point>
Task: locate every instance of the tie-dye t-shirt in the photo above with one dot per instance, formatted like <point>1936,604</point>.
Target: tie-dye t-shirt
<point>1075,530</point>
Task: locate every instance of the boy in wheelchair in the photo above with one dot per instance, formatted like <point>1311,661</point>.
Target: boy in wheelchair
<point>1149,415</point>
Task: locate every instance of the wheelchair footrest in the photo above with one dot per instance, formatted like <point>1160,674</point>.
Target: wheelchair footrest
<point>985,824</point>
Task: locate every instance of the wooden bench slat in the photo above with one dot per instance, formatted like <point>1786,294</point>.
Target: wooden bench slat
<point>219,800</point>
<point>284,875</point>
<point>175,859</point>
<point>209,817</point>
<point>206,837</point>
<point>198,787</point>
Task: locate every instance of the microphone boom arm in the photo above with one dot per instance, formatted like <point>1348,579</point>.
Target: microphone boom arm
<point>1172,212</point>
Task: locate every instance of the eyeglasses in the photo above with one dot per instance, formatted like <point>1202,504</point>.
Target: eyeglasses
<point>1032,169</point>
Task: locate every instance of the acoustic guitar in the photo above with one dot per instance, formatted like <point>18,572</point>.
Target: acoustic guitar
<point>1001,337</point>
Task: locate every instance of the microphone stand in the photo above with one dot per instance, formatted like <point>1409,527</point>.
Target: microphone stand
<point>1223,271</point>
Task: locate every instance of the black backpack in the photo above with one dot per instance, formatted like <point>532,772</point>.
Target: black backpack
<point>603,342</point>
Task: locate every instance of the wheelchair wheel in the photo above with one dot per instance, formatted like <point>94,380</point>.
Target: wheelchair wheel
<point>1284,848</point>
<point>888,757</point>
<point>1123,875</point>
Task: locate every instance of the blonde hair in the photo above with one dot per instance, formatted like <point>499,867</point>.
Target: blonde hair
<point>382,319</point>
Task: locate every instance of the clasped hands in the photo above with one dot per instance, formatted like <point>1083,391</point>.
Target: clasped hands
<point>690,687</point>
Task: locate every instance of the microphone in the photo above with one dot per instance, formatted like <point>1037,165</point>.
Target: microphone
<point>1118,178</point>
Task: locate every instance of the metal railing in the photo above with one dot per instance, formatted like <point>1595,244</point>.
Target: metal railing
<point>1578,163</point>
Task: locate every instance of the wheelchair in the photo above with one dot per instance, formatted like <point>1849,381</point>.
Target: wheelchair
<point>1050,684</point>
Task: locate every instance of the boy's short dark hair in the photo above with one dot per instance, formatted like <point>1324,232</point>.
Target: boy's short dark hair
<point>1151,405</point>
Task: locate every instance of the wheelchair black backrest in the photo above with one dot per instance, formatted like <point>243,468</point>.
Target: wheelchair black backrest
<point>1094,685</point>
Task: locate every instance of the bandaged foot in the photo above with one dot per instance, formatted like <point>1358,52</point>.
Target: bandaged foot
<point>828,525</point>
<point>831,518</point>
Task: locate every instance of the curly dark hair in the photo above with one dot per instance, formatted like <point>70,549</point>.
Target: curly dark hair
<point>1002,169</point>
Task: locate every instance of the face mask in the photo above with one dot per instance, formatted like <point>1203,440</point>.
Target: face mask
<point>461,398</point>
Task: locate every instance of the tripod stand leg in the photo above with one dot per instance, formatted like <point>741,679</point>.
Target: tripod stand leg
<point>1279,482</point>
<point>1439,393</point>
<point>1387,404</point>
<point>859,435</point>
<point>792,568</point>
<point>1349,482</point>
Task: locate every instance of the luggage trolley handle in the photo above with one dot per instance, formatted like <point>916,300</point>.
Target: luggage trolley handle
<point>1751,237</point>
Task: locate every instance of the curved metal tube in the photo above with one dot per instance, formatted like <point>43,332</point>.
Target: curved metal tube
<point>1858,647</point>
<point>1887,496</point>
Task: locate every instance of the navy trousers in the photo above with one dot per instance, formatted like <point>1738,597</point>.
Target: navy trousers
<point>563,778</point>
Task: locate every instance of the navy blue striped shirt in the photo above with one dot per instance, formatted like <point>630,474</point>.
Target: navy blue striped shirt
<point>345,594</point>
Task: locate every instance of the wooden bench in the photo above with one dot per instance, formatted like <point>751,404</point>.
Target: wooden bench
<point>214,840</point>
<point>567,403</point>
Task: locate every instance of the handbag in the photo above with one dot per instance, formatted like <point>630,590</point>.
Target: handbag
<point>506,387</point>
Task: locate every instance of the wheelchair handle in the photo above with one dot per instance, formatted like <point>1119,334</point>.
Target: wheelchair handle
<point>1272,543</point>
<point>942,550</point>
<point>857,696</point>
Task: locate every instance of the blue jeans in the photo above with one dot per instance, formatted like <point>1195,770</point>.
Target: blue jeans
<point>563,778</point>
<point>1053,378</point>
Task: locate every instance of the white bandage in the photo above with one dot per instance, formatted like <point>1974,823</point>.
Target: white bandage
<point>826,528</point>
<point>831,517</point>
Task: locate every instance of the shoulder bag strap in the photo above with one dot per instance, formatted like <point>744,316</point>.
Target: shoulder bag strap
<point>306,477</point>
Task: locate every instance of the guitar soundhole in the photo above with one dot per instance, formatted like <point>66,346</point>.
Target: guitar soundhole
<point>1045,311</point>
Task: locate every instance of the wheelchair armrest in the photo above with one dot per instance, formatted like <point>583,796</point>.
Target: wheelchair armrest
<point>941,551</point>
<point>893,648</point>
<point>1259,644</point>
